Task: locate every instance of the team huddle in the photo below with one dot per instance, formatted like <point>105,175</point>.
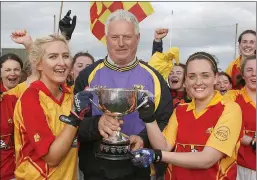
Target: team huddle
<point>201,123</point>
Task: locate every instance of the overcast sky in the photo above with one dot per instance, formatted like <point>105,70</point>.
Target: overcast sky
<point>194,26</point>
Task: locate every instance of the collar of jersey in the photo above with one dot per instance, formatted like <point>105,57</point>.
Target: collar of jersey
<point>120,69</point>
<point>238,62</point>
<point>215,100</point>
<point>42,87</point>
<point>247,97</point>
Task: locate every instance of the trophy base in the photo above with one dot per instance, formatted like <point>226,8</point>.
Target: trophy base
<point>113,157</point>
<point>118,149</point>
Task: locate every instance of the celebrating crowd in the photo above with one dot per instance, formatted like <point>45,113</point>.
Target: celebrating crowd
<point>201,123</point>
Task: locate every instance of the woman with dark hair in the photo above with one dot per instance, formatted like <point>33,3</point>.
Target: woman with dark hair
<point>246,98</point>
<point>10,66</point>
<point>204,135</point>
<point>224,83</point>
<point>79,62</point>
<point>247,47</point>
<point>7,104</point>
<point>176,74</point>
<point>176,82</point>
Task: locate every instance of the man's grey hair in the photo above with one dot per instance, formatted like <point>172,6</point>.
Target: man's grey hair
<point>122,15</point>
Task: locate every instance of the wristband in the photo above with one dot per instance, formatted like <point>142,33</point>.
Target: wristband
<point>157,155</point>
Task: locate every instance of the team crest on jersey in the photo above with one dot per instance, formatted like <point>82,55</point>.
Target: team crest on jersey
<point>3,145</point>
<point>222,133</point>
<point>36,137</point>
<point>10,121</point>
<point>139,86</point>
<point>209,130</point>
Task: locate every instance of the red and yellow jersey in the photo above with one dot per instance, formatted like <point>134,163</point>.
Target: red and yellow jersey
<point>36,124</point>
<point>18,90</point>
<point>246,155</point>
<point>2,88</point>
<point>217,126</point>
<point>7,157</point>
<point>233,71</point>
<point>7,105</point>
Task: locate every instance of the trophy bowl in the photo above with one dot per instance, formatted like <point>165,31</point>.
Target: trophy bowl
<point>117,102</point>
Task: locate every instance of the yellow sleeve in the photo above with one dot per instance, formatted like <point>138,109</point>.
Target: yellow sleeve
<point>230,95</point>
<point>229,69</point>
<point>227,130</point>
<point>170,131</point>
<point>163,62</point>
<point>12,91</point>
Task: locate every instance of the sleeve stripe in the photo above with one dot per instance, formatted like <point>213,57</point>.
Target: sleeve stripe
<point>157,85</point>
<point>92,74</point>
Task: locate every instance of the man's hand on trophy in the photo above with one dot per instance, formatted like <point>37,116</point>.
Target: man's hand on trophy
<point>107,125</point>
<point>81,105</point>
<point>136,142</point>
<point>146,112</point>
<point>144,157</point>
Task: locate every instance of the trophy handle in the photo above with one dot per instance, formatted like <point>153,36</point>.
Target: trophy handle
<point>95,90</point>
<point>93,102</point>
<point>148,93</point>
<point>142,103</point>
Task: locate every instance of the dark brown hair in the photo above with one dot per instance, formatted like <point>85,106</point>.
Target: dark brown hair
<point>225,74</point>
<point>86,54</point>
<point>11,56</point>
<point>205,56</point>
<point>248,31</point>
<point>183,66</point>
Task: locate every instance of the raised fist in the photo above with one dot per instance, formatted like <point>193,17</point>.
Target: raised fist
<point>160,33</point>
<point>66,26</point>
<point>22,37</point>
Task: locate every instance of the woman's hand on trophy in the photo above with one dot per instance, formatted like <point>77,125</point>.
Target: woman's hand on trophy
<point>144,157</point>
<point>107,125</point>
<point>146,112</point>
<point>136,142</point>
<point>81,105</point>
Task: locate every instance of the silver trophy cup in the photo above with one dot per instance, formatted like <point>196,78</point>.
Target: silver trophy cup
<point>117,102</point>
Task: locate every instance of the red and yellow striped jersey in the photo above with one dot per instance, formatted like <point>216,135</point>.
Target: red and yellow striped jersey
<point>246,155</point>
<point>7,105</point>
<point>233,71</point>
<point>2,88</point>
<point>217,126</point>
<point>18,90</point>
<point>36,124</point>
<point>7,157</point>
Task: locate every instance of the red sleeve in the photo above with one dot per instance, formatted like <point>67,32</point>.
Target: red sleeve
<point>35,122</point>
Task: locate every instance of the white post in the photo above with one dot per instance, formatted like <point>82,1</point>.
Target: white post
<point>170,32</point>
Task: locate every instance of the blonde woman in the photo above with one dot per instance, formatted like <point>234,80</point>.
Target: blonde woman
<point>45,147</point>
